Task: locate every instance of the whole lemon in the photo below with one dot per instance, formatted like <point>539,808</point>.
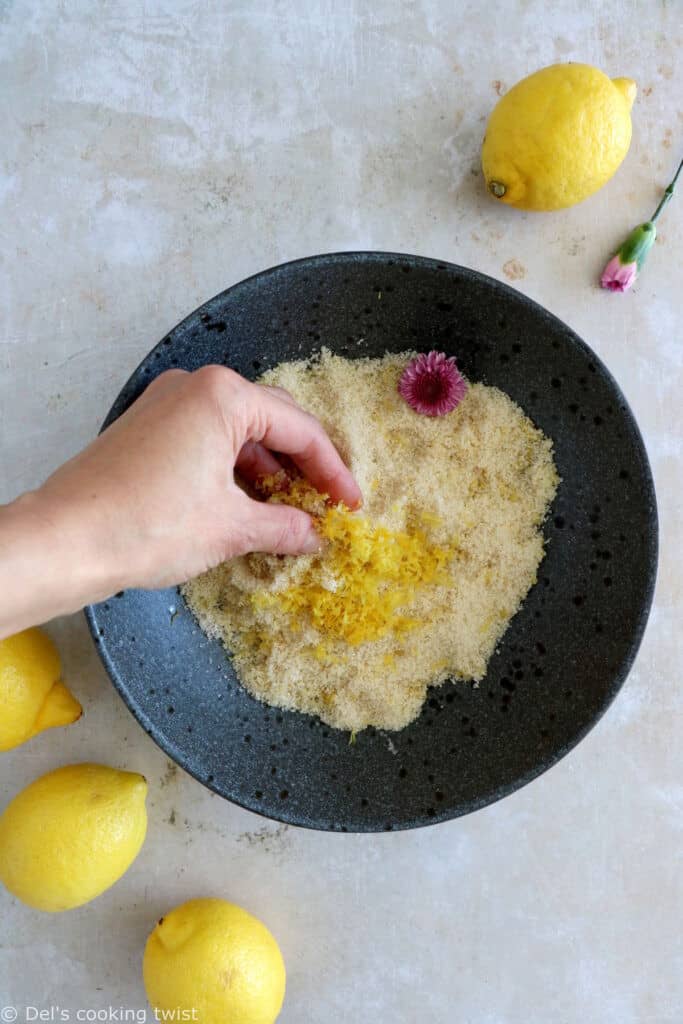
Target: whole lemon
<point>557,136</point>
<point>71,834</point>
<point>32,695</point>
<point>211,959</point>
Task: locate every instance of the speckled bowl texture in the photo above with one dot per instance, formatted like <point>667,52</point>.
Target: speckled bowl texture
<point>566,653</point>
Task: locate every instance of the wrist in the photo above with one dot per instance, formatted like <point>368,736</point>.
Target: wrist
<point>52,562</point>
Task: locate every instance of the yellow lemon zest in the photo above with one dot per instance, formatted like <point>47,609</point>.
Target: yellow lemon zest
<point>378,572</point>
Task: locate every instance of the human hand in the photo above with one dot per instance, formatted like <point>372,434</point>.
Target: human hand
<point>153,500</point>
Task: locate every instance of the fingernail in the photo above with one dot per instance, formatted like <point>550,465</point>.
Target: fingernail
<point>311,543</point>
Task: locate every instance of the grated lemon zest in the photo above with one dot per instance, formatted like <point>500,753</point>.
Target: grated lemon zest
<point>380,572</point>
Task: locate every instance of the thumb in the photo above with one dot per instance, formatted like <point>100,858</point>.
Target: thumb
<point>277,530</point>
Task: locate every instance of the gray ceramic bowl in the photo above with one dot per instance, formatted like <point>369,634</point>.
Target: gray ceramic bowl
<point>566,653</point>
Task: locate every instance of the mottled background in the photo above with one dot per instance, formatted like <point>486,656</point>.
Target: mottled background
<point>154,153</point>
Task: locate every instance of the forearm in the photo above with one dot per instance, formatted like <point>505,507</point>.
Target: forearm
<point>51,562</point>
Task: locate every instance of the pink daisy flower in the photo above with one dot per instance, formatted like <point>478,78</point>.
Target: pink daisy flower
<point>432,384</point>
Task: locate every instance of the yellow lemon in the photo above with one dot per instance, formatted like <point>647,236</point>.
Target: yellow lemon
<point>71,834</point>
<point>557,136</point>
<point>32,695</point>
<point>211,959</point>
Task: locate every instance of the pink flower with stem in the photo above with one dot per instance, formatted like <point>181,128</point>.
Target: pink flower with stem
<point>624,266</point>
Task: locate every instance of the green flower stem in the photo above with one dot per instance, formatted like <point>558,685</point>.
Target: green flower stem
<point>668,193</point>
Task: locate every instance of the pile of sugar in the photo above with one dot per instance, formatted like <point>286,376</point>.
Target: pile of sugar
<point>476,483</point>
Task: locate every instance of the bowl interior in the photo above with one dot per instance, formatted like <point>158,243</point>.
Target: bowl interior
<point>565,654</point>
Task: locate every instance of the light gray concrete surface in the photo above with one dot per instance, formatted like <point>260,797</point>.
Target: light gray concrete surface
<point>154,153</point>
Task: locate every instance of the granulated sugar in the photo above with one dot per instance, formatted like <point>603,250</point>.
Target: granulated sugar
<point>417,587</point>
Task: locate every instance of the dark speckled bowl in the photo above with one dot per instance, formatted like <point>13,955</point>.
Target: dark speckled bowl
<point>565,654</point>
